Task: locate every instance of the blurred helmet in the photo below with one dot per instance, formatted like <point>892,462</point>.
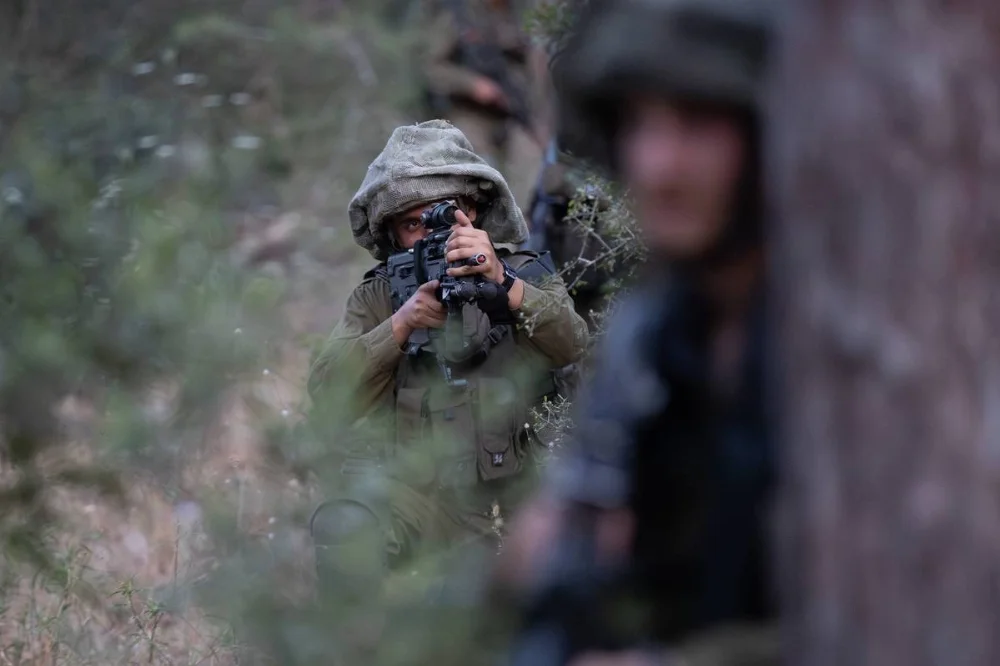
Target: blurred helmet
<point>706,51</point>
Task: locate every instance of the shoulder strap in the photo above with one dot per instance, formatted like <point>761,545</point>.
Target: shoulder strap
<point>531,265</point>
<point>379,273</point>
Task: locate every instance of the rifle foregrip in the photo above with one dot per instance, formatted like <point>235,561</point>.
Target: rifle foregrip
<point>418,338</point>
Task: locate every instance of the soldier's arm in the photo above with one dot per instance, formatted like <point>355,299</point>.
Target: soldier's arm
<point>356,364</point>
<point>445,76</point>
<point>550,322</point>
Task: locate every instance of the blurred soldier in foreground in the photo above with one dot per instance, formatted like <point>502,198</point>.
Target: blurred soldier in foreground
<point>478,75</point>
<point>649,544</point>
<point>439,446</point>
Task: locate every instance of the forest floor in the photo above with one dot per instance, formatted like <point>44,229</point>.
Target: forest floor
<point>121,560</point>
<point>127,569</point>
<point>325,82</point>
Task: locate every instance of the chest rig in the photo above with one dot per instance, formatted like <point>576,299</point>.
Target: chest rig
<point>463,416</point>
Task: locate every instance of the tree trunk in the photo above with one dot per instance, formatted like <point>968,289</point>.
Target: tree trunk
<point>885,173</point>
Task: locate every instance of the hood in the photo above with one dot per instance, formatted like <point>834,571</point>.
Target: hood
<point>427,162</point>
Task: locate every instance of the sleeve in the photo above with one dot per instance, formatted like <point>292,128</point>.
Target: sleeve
<point>621,394</point>
<point>358,361</point>
<point>594,467</point>
<point>444,76</point>
<point>550,320</point>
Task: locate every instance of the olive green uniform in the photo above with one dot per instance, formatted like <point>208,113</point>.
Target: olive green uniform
<point>424,465</point>
<point>361,359</point>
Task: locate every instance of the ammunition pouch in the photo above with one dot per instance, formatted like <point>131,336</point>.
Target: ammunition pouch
<point>457,437</point>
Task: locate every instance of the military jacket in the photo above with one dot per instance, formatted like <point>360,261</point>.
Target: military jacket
<point>696,469</point>
<point>442,437</point>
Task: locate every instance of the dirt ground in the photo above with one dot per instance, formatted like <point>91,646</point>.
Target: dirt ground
<point>129,570</point>
<point>130,565</point>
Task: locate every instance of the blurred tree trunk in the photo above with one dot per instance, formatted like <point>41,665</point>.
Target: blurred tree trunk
<point>886,175</point>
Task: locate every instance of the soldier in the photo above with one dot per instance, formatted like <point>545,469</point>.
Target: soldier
<point>571,240</point>
<point>574,241</point>
<point>477,71</point>
<point>443,461</point>
<point>672,466</point>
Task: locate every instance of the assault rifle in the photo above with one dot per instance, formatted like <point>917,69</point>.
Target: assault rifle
<point>426,262</point>
<point>542,204</point>
<point>583,600</point>
<point>571,611</point>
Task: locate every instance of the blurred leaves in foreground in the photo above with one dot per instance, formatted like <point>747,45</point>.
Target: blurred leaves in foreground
<point>140,142</point>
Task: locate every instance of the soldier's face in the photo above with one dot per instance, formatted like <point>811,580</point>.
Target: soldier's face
<point>407,228</point>
<point>683,166</point>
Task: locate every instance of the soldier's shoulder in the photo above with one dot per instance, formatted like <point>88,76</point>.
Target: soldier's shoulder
<point>375,283</point>
<point>379,272</point>
<point>530,265</point>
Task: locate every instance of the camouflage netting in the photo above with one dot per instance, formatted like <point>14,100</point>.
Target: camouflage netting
<point>427,162</point>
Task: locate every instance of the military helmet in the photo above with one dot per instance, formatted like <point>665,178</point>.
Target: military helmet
<point>710,51</point>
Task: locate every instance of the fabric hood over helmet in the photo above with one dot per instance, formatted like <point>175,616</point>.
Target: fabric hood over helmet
<point>427,162</point>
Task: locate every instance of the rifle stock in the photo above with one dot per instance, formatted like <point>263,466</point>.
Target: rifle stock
<point>566,614</point>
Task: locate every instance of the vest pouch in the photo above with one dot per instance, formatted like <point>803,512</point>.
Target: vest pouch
<point>498,413</point>
<point>450,436</point>
<point>413,462</point>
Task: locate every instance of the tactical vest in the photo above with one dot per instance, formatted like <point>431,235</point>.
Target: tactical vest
<point>464,437</point>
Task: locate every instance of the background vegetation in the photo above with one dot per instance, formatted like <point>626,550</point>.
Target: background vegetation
<point>173,181</point>
<point>174,177</point>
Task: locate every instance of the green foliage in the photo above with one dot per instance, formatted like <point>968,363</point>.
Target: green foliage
<point>139,141</point>
<point>551,21</point>
<point>136,140</point>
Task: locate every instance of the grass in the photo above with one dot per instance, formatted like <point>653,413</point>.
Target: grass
<point>83,617</point>
<point>204,558</point>
<point>160,575</point>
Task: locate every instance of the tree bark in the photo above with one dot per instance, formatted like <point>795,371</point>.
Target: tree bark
<point>885,174</point>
